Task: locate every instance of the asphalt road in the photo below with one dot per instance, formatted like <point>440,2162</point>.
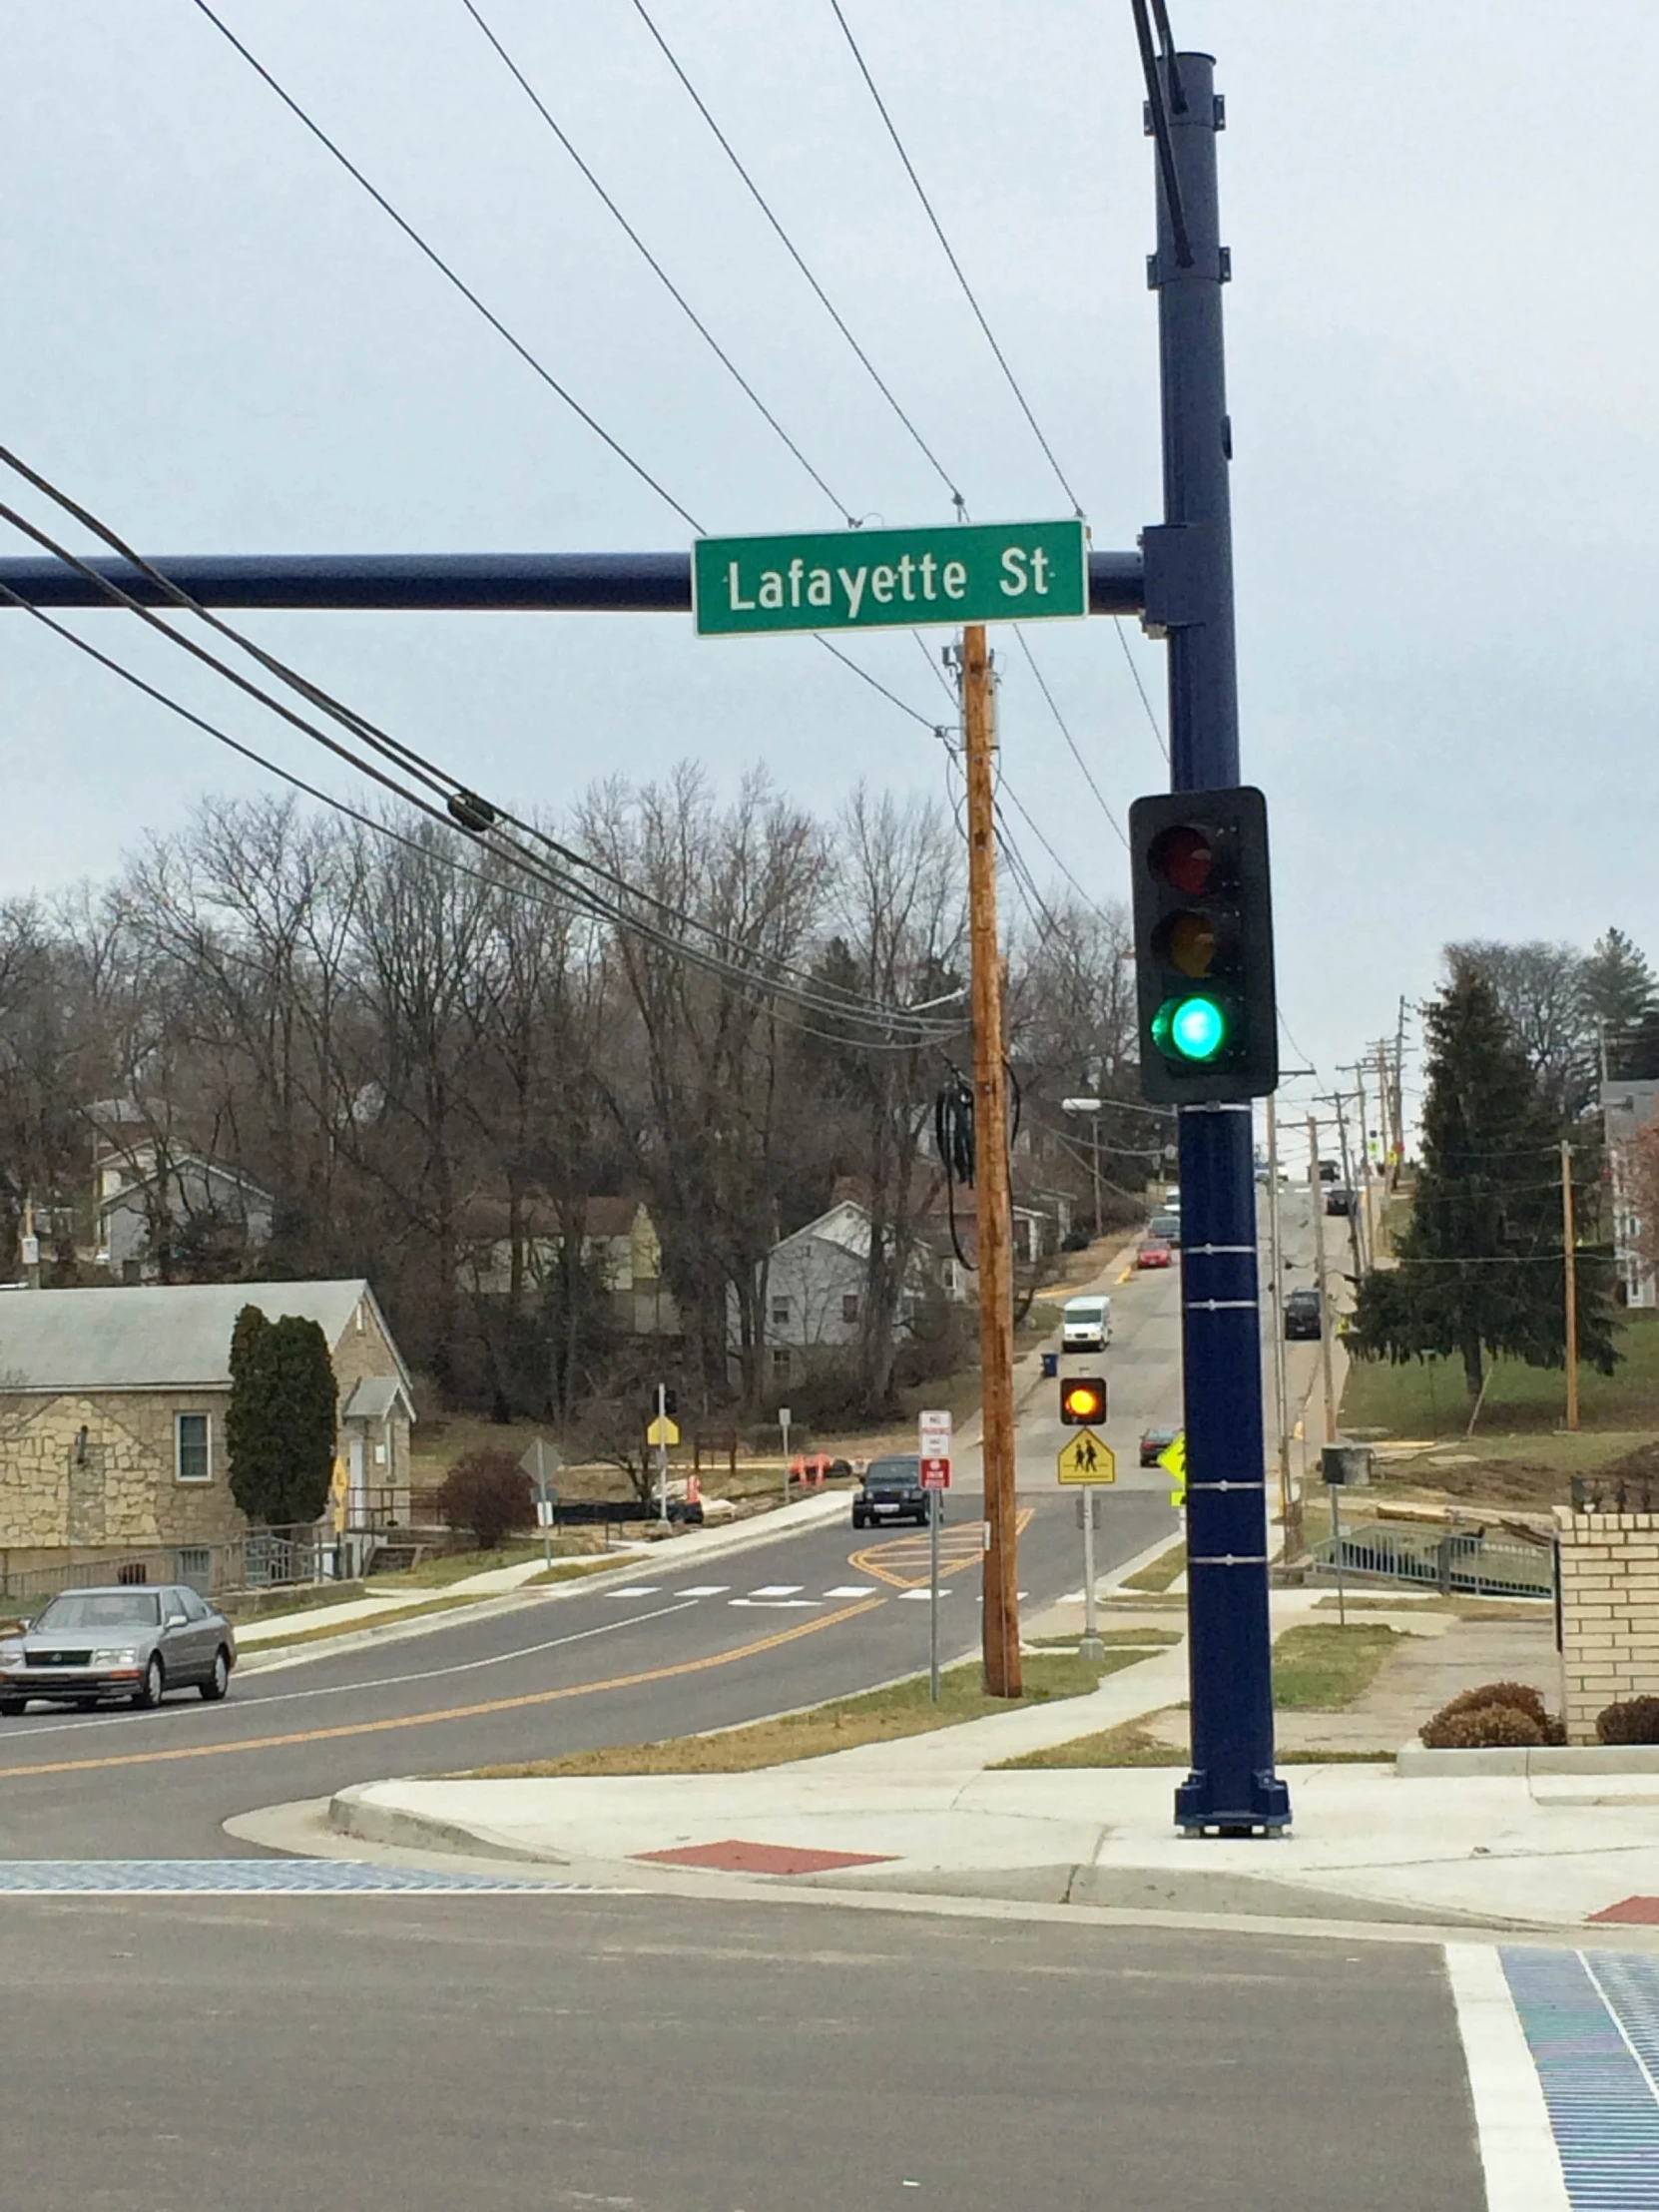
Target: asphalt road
<point>682,2055</point>
<point>812,1614</point>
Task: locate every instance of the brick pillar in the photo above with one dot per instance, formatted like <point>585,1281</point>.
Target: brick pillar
<point>1609,1613</point>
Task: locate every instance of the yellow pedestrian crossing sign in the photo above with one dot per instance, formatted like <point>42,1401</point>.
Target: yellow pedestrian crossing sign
<point>1173,1460</point>
<point>662,1431</point>
<point>1087,1460</point>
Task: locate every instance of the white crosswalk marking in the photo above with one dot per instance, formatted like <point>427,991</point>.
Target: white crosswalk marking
<point>852,1589</point>
<point>705,1589</point>
<point>640,1589</point>
<point>924,1595</point>
<point>778,1589</point>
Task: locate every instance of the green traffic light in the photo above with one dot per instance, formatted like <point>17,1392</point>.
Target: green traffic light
<point>1190,1028</point>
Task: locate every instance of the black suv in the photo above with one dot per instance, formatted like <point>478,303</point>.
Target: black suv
<point>1301,1313</point>
<point>891,1491</point>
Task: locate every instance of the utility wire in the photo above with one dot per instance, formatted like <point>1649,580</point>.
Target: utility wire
<point>658,270</point>
<point>795,256</point>
<point>439,782</point>
<point>1007,790</point>
<point>1071,742</point>
<point>950,256</point>
<point>1156,730</point>
<point>446,270</point>
<point>782,975</point>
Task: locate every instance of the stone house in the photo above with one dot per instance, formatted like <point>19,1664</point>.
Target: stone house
<point>111,1417</point>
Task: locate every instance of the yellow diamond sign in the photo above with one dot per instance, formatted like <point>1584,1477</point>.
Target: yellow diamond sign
<point>662,1431</point>
<point>1087,1460</point>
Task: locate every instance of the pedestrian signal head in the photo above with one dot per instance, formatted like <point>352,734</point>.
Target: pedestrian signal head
<point>1082,1400</point>
<point>1204,946</point>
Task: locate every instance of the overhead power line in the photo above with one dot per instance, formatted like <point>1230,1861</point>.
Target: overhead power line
<point>1071,742</point>
<point>655,265</point>
<point>795,256</point>
<point>442,798</point>
<point>950,256</point>
<point>446,270</point>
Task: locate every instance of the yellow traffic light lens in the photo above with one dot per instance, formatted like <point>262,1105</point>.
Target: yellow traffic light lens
<point>1190,945</point>
<point>1083,1402</point>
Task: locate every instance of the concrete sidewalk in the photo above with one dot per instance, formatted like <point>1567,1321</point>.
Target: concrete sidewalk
<point>928,1814</point>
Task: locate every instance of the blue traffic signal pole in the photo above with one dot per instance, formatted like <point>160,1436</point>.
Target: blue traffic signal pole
<point>1231,1788</point>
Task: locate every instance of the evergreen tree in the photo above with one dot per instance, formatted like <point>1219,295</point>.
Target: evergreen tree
<point>1481,1267</point>
<point>1620,995</point>
<point>280,1426</point>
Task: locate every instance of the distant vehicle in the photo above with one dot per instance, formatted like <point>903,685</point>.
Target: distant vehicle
<point>1086,1323</point>
<point>1172,1198</point>
<point>1166,1227</point>
<point>1153,1253</point>
<point>1154,1441</point>
<point>1329,1171</point>
<point>85,1647</point>
<point>1301,1313</point>
<point>1338,1199</point>
<point>891,1491</point>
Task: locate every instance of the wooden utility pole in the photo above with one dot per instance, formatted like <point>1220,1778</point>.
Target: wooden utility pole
<point>990,1179</point>
<point>1326,1315</point>
<point>1569,1268</point>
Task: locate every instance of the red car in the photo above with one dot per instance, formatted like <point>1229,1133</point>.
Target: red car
<point>1153,1254</point>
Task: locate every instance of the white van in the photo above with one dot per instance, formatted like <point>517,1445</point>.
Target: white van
<point>1086,1324</point>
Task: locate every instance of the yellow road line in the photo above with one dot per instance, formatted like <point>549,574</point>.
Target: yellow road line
<point>906,1552</point>
<point>452,1712</point>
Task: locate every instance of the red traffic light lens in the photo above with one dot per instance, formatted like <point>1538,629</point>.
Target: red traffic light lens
<point>1082,1401</point>
<point>1185,857</point>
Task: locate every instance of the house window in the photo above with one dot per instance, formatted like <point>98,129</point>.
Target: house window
<point>849,1306</point>
<point>780,1364</point>
<point>192,1450</point>
<point>779,1310</point>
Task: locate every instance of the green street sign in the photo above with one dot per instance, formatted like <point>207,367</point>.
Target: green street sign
<point>890,579</point>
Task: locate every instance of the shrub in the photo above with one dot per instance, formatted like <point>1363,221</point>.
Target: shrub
<point>1482,1728</point>
<point>487,1496</point>
<point>1634,1719</point>
<point>1520,1695</point>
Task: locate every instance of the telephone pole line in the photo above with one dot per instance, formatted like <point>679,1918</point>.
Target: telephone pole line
<point>1000,1625</point>
<point>1325,1316</point>
<point>1569,1268</point>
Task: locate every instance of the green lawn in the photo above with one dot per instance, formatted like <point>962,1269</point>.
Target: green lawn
<point>1319,1667</point>
<point>1427,1398</point>
<point>902,1709</point>
<point>1162,1573</point>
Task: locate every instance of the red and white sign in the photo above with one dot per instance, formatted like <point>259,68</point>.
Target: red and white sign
<point>933,1448</point>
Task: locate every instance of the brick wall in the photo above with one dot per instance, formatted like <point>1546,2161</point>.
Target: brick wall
<point>1609,1613</point>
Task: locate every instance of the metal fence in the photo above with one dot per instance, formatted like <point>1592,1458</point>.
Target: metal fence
<point>1458,1562</point>
<point>270,1558</point>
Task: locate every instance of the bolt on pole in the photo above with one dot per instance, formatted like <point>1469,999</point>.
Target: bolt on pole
<point>1231,1788</point>
<point>1000,1626</point>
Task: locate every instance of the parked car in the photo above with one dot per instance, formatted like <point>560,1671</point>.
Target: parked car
<point>1338,1199</point>
<point>891,1491</point>
<point>1086,1323</point>
<point>1154,1441</point>
<point>1329,1171</point>
<point>1166,1228</point>
<point>85,1647</point>
<point>1152,1252</point>
<point>1301,1313</point>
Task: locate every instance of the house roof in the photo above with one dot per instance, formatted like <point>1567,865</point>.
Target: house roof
<point>487,1216</point>
<point>152,1337</point>
<point>375,1397</point>
<point>183,1163</point>
<point>846,1224</point>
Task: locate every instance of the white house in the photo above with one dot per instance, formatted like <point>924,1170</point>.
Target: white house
<point>815,1284</point>
<point>1626,1108</point>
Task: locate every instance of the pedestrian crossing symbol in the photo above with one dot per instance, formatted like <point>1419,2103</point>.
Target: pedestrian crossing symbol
<point>1087,1460</point>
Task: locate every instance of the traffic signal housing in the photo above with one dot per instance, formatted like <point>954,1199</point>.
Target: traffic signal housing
<point>1204,946</point>
<point>1083,1400</point>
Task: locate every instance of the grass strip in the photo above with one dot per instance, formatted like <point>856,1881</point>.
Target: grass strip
<point>874,1717</point>
<point>1115,1640</point>
<point>1130,1745</point>
<point>1319,1667</point>
<point>1161,1573</point>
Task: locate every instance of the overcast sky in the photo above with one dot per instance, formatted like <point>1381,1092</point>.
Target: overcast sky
<point>1441,331</point>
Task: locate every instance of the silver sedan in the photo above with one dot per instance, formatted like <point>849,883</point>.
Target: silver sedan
<point>85,1647</point>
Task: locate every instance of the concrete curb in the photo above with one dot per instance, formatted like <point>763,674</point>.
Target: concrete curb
<point>355,1815</point>
<point>1579,1758</point>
